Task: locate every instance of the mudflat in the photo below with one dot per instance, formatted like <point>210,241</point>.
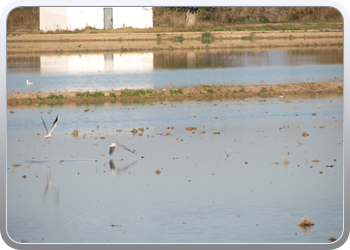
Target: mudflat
<point>199,93</point>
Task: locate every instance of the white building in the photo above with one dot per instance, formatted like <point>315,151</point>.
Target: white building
<point>71,18</point>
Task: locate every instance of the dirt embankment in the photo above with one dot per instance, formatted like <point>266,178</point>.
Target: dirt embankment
<point>190,93</point>
<point>126,42</point>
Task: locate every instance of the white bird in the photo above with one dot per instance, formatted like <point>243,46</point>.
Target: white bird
<point>29,83</point>
<point>281,96</point>
<point>118,145</point>
<point>49,133</point>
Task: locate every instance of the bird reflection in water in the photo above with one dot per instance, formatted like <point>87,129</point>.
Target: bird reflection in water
<point>53,189</point>
<point>116,171</point>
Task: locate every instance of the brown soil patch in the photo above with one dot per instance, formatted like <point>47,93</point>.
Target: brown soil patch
<point>188,93</point>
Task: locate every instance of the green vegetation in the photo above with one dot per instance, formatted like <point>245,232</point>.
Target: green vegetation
<point>263,90</point>
<point>176,92</point>
<point>339,87</point>
<point>210,91</point>
<point>242,90</point>
<point>40,98</point>
<point>87,94</point>
<point>140,92</point>
<point>112,95</point>
<point>55,97</point>
<point>206,37</point>
<point>179,39</point>
<point>248,38</point>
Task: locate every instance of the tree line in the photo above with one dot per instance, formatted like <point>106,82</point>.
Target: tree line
<point>188,16</point>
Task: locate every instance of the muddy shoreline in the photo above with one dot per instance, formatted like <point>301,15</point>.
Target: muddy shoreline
<point>201,92</point>
<point>129,42</point>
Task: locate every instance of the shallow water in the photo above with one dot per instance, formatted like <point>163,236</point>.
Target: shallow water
<point>75,192</point>
<point>161,69</point>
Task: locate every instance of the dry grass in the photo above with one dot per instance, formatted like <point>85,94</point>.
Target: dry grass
<point>305,222</point>
<point>222,17</point>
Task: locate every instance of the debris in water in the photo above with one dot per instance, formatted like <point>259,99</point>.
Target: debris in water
<point>285,159</point>
<point>305,134</point>
<point>332,239</point>
<point>316,160</point>
<point>157,172</point>
<point>305,222</point>
<point>134,131</point>
<point>191,128</point>
<point>75,133</point>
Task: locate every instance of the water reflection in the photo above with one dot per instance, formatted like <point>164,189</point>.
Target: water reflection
<point>50,186</point>
<point>116,171</point>
<point>245,58</point>
<point>179,68</point>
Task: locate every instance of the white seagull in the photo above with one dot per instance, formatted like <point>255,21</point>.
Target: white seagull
<point>49,133</point>
<point>281,96</point>
<point>29,83</point>
<point>118,145</point>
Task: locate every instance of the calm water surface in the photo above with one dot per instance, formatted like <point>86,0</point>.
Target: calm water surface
<point>75,192</point>
<point>161,69</point>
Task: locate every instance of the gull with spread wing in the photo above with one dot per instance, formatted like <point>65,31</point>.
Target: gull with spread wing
<point>118,145</point>
<point>49,133</point>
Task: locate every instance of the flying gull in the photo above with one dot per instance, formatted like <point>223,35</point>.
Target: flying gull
<point>118,145</point>
<point>49,133</point>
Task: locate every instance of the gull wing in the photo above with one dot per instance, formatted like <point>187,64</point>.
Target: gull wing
<point>122,146</point>
<point>44,124</point>
<point>54,124</point>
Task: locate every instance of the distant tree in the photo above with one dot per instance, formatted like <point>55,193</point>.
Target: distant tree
<point>190,13</point>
